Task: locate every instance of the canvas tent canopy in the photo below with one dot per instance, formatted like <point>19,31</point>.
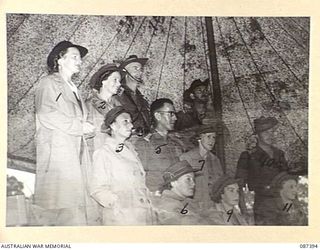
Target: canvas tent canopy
<point>256,66</point>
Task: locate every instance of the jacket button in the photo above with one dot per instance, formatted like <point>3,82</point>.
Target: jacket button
<point>141,200</point>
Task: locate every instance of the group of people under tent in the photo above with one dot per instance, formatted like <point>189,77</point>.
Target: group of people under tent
<point>113,159</point>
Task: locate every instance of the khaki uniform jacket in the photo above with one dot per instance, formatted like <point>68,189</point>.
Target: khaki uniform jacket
<point>234,217</point>
<point>157,153</point>
<point>258,169</point>
<point>205,178</point>
<point>138,108</point>
<point>173,209</point>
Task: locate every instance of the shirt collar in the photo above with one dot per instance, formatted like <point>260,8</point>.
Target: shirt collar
<point>203,152</point>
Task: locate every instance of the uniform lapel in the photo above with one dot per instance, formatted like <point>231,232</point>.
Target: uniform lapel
<point>69,94</point>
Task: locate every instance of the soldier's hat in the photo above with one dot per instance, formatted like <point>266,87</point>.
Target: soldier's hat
<point>264,123</point>
<point>220,184</point>
<point>111,116</point>
<point>131,59</point>
<point>176,170</point>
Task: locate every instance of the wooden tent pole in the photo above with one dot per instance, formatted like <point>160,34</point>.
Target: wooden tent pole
<point>215,89</point>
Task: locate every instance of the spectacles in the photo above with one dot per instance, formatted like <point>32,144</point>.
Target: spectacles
<point>172,113</point>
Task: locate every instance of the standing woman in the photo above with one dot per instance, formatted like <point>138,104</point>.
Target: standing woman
<point>62,125</point>
<point>119,183</point>
<point>105,85</point>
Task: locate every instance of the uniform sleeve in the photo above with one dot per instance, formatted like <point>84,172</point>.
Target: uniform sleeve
<point>50,114</point>
<point>179,125</point>
<point>141,149</point>
<point>283,162</point>
<point>266,214</point>
<point>100,185</point>
<point>173,217</point>
<point>185,157</point>
<point>217,166</point>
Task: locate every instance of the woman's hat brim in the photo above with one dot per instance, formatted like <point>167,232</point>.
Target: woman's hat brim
<point>63,46</point>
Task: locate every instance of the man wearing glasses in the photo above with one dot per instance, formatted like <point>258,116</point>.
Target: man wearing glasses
<point>160,148</point>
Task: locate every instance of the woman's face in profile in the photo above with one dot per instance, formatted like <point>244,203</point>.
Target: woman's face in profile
<point>122,125</point>
<point>112,83</point>
<point>231,194</point>
<point>289,190</point>
<point>71,61</point>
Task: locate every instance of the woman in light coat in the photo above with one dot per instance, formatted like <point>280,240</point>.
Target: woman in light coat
<point>61,175</point>
<point>118,183</point>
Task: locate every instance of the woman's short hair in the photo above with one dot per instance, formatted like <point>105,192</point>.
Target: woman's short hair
<point>277,182</point>
<point>220,184</point>
<point>102,74</point>
<point>55,67</point>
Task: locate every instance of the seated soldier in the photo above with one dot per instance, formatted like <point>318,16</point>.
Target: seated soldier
<point>225,194</point>
<point>159,149</point>
<point>207,165</point>
<point>284,207</point>
<point>176,206</point>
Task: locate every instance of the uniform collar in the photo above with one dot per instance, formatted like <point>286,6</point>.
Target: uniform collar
<point>170,194</point>
<point>130,91</point>
<point>202,151</point>
<point>101,105</point>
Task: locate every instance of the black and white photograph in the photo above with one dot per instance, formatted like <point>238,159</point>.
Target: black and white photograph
<point>132,120</point>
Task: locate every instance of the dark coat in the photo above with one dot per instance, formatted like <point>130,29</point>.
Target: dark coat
<point>138,108</point>
<point>274,212</point>
<point>257,168</point>
<point>186,120</point>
